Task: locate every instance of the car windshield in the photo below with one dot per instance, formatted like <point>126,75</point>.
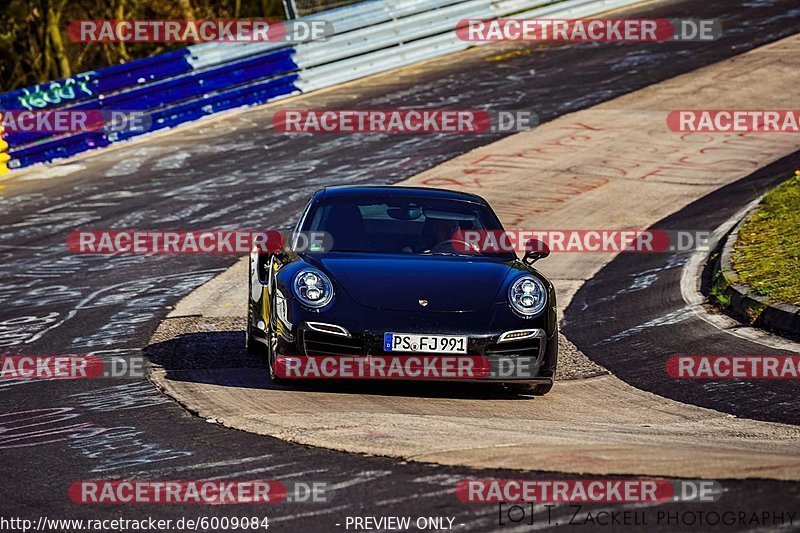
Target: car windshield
<point>401,225</point>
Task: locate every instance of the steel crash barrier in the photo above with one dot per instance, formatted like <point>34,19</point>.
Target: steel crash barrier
<point>204,79</point>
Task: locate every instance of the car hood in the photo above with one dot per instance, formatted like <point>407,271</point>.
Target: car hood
<point>447,284</point>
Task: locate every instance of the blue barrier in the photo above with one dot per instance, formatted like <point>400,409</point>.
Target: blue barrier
<point>175,90</point>
<point>252,94</point>
<point>89,85</point>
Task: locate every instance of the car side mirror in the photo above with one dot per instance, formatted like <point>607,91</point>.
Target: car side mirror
<point>272,243</point>
<point>535,250</point>
<point>269,245</point>
<point>280,254</point>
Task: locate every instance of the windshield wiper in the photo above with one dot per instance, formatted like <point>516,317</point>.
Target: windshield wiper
<point>447,253</point>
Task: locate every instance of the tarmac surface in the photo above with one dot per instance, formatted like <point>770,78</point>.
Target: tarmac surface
<point>591,423</point>
<point>233,172</point>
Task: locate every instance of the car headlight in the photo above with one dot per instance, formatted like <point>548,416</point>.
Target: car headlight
<point>527,295</point>
<point>312,288</point>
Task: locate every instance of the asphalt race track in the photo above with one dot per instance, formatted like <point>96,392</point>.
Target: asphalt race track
<point>234,172</point>
<point>645,320</point>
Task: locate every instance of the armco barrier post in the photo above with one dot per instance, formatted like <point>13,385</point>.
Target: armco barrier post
<point>290,8</point>
<point>4,157</point>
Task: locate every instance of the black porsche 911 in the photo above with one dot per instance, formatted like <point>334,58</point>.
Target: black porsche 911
<point>394,281</point>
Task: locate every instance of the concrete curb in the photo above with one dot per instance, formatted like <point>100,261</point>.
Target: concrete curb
<point>745,304</point>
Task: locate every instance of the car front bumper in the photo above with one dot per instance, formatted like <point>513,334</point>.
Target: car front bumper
<point>530,360</point>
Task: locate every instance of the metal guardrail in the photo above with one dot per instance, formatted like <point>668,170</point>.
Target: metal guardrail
<point>200,80</point>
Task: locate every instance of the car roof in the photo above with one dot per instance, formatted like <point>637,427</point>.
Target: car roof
<point>352,191</point>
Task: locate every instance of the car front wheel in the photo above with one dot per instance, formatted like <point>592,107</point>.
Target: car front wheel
<point>272,343</point>
<point>539,389</point>
<point>251,344</point>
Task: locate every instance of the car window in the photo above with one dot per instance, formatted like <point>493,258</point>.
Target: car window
<point>404,225</point>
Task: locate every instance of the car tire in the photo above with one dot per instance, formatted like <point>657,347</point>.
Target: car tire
<point>525,388</point>
<point>250,343</point>
<point>272,342</point>
<point>269,349</point>
<point>253,346</point>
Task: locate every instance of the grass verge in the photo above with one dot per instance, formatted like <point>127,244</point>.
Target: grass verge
<point>767,253</point>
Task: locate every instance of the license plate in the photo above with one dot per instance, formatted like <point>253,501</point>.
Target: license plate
<point>407,342</point>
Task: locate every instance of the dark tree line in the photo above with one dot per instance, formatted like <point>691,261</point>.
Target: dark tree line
<point>34,46</point>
